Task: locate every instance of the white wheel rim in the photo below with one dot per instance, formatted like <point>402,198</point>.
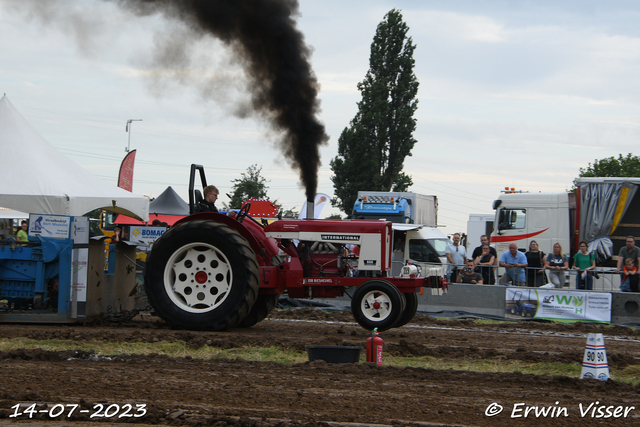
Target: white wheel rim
<point>376,306</point>
<point>198,277</point>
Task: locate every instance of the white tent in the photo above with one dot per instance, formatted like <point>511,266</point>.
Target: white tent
<point>11,214</point>
<point>37,178</point>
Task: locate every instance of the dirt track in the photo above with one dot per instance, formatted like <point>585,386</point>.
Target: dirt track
<point>238,392</point>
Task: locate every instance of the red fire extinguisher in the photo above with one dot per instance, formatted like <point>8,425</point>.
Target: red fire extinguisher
<point>374,348</point>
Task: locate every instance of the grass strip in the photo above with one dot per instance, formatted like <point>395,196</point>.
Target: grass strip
<point>629,374</point>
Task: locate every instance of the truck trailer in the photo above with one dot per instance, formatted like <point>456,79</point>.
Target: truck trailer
<point>602,212</point>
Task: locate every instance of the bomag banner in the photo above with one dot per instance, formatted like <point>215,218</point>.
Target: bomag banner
<point>145,236</point>
<point>557,304</point>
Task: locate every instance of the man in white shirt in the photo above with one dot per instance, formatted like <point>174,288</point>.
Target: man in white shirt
<point>456,254</point>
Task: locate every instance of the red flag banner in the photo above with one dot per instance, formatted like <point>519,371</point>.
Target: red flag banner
<point>125,177</point>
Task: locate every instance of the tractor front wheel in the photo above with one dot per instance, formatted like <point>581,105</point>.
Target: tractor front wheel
<point>377,304</point>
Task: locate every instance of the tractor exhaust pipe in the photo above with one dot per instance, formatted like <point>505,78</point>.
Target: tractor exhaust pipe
<point>310,212</point>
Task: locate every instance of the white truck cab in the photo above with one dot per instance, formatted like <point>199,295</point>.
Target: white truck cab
<point>421,245</point>
<point>523,217</point>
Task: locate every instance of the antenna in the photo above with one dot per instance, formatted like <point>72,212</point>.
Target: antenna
<point>128,129</point>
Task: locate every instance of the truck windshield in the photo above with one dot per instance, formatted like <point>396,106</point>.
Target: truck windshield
<point>512,219</point>
<point>427,250</point>
<point>107,221</point>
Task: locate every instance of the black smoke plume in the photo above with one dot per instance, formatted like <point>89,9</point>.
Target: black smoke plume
<point>284,89</point>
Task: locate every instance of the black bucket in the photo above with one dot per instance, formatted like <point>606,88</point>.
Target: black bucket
<point>334,353</point>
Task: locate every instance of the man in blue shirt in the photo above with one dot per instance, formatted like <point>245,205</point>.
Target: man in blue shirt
<point>515,263</point>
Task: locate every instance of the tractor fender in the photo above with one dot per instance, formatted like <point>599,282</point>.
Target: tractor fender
<point>265,248</point>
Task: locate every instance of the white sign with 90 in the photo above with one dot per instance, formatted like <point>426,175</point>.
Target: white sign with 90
<point>595,364</point>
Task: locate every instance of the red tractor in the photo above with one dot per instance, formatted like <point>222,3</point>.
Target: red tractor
<point>213,272</point>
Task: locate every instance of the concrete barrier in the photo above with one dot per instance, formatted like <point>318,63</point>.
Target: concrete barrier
<point>476,299</point>
<point>489,301</point>
<point>625,308</point>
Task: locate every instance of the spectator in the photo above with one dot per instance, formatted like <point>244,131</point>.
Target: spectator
<point>631,275</point>
<point>352,254</point>
<point>484,240</point>
<point>515,263</point>
<point>117,237</point>
<point>557,263</point>
<point>535,269</point>
<point>629,251</point>
<point>22,235</point>
<point>456,254</point>
<point>356,250</point>
<point>584,262</point>
<point>468,275</point>
<point>485,262</point>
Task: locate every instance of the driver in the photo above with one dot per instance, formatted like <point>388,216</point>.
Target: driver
<point>210,196</point>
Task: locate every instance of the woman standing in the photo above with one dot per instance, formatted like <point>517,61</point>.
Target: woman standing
<point>535,261</point>
<point>486,262</point>
<point>584,262</point>
<point>557,263</point>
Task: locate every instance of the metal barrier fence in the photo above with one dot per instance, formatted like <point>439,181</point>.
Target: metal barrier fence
<point>603,279</point>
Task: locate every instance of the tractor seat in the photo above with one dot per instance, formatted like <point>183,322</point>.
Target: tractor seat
<point>198,199</point>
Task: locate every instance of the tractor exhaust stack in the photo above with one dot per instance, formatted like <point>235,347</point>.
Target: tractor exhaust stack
<point>310,207</point>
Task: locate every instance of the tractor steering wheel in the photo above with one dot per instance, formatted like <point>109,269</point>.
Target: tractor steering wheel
<point>243,212</point>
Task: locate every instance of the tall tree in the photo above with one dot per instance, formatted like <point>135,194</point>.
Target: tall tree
<point>628,166</point>
<point>371,151</point>
<point>251,185</point>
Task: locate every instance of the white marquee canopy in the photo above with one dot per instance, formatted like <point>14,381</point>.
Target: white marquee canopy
<point>37,178</point>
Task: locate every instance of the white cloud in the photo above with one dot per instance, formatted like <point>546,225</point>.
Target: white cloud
<point>456,26</point>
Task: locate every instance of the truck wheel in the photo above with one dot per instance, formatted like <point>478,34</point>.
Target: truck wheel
<point>260,310</point>
<point>410,309</point>
<point>377,304</point>
<point>202,275</point>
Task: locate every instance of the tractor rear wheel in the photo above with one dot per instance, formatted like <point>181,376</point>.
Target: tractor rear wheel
<point>377,304</point>
<point>410,309</point>
<point>260,310</point>
<point>202,275</point>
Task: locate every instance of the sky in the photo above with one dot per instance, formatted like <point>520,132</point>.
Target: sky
<point>515,94</point>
